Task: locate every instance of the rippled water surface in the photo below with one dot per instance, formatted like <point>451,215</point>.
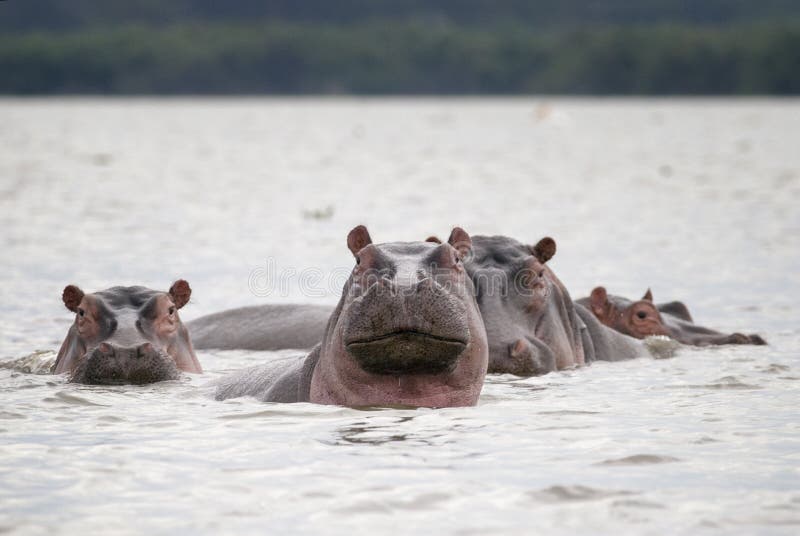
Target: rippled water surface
<point>696,199</point>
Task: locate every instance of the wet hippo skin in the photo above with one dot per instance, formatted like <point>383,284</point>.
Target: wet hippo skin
<point>532,324</point>
<point>643,317</point>
<point>126,335</point>
<point>261,327</point>
<point>406,331</point>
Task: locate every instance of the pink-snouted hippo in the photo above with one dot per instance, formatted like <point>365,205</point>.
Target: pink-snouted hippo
<point>643,318</point>
<point>406,332</point>
<point>126,335</point>
<point>532,325</point>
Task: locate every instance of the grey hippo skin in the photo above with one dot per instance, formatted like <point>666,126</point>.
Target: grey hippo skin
<point>644,317</point>
<point>126,335</point>
<point>532,324</point>
<point>406,332</point>
<point>261,327</point>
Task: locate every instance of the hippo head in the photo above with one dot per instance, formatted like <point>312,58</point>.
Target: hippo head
<point>407,330</point>
<point>530,319</point>
<point>638,319</point>
<point>126,335</point>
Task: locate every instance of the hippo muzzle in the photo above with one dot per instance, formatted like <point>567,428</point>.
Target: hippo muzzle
<point>523,357</point>
<point>421,329</point>
<point>109,364</point>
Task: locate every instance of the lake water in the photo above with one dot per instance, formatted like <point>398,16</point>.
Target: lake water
<point>697,199</point>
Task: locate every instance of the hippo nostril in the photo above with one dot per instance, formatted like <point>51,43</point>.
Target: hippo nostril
<point>144,349</point>
<point>518,348</point>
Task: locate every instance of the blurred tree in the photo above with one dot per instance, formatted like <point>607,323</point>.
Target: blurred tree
<point>25,15</point>
<point>394,46</point>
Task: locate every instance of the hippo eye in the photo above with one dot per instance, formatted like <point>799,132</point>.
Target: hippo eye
<point>172,310</point>
<point>81,312</point>
<point>642,315</point>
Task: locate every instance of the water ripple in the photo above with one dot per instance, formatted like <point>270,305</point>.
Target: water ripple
<point>640,459</point>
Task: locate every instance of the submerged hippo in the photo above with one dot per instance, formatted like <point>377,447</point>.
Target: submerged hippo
<point>126,335</point>
<point>261,327</point>
<point>406,331</point>
<point>532,324</point>
<point>643,318</point>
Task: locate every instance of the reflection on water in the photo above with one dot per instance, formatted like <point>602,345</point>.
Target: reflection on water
<point>666,194</point>
<point>640,459</point>
<point>364,433</point>
<point>574,493</point>
<point>727,382</point>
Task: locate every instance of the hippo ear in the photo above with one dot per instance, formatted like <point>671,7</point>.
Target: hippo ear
<point>648,296</point>
<point>180,292</point>
<point>72,297</point>
<point>434,239</point>
<point>358,239</point>
<point>460,240</point>
<point>599,299</point>
<point>544,249</point>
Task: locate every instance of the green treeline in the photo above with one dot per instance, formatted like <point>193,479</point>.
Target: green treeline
<point>412,57</point>
<point>58,15</point>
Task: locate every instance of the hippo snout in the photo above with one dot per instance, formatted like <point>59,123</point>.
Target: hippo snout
<point>524,358</point>
<point>419,328</point>
<point>135,353</point>
<point>110,364</point>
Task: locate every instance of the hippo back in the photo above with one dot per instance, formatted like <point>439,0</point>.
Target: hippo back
<point>286,379</point>
<point>262,327</point>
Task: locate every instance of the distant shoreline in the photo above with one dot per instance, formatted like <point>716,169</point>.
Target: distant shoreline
<point>407,58</point>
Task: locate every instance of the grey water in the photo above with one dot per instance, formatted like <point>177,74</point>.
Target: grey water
<point>251,200</point>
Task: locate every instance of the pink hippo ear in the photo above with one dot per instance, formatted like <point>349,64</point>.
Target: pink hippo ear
<point>358,239</point>
<point>544,249</point>
<point>72,297</point>
<point>180,292</point>
<point>434,239</point>
<point>460,240</point>
<point>648,296</point>
<point>599,299</point>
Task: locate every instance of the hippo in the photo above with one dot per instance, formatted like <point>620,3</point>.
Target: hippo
<point>261,327</point>
<point>534,328</point>
<point>643,318</point>
<point>406,332</point>
<point>126,335</point>
<point>532,324</point>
